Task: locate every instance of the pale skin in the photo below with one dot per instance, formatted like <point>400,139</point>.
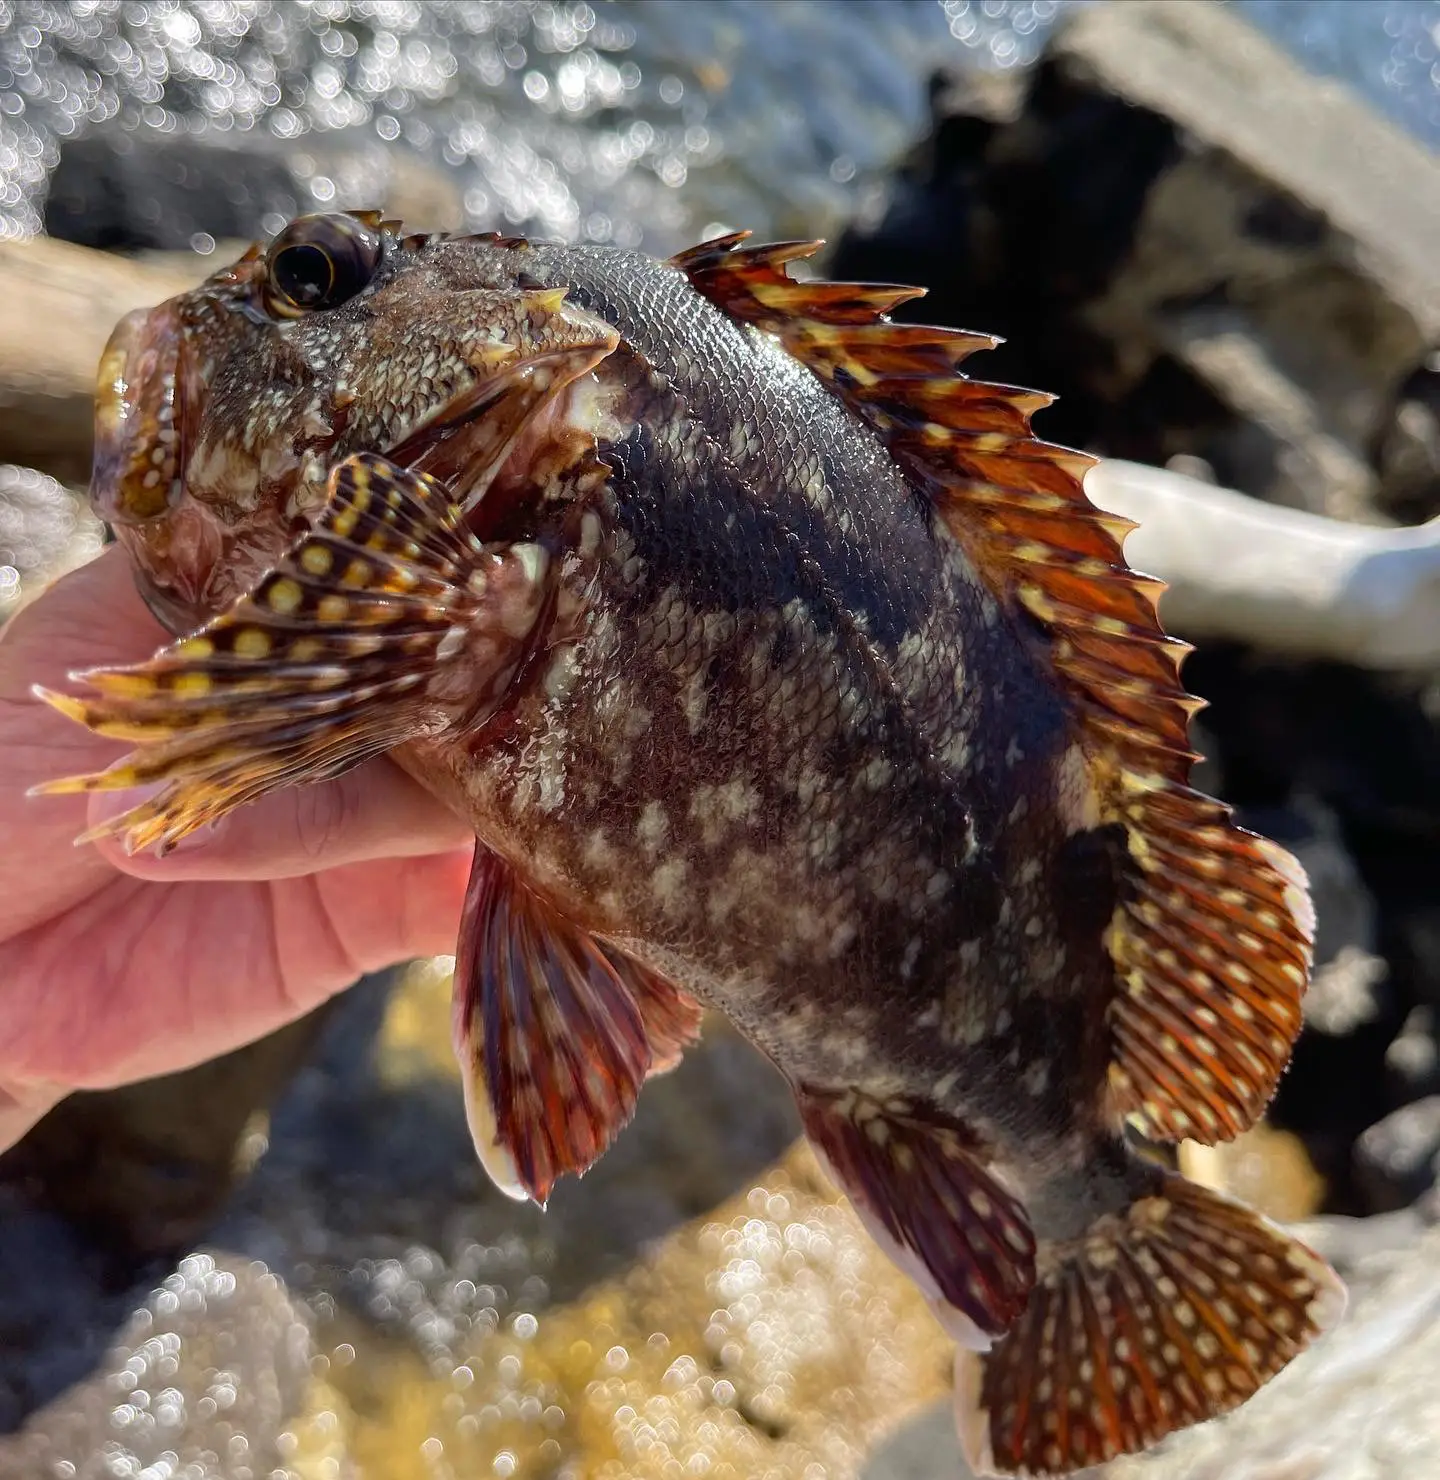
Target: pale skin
<point>114,969</point>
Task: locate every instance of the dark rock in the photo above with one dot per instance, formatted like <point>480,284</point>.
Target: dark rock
<point>125,192</point>
<point>146,192</point>
<point>146,1167</point>
<point>1203,249</point>
<point>1398,1159</point>
<point>1407,448</point>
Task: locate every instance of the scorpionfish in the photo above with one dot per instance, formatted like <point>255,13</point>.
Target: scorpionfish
<point>780,669</point>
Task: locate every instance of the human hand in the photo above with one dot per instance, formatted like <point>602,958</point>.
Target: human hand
<point>114,969</point>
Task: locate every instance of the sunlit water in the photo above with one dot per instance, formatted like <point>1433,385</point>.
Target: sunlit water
<point>637,120</point>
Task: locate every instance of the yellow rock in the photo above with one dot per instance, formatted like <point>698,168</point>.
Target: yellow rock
<point>1267,1168</point>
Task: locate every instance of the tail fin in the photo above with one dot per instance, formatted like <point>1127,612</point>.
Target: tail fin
<point>1169,1313</point>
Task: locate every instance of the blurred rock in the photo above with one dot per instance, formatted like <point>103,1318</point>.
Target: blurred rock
<point>1345,992</point>
<point>147,1167</point>
<point>1407,448</point>
<point>370,1157</point>
<point>1205,250</point>
<point>1398,1159</point>
<point>207,1373</point>
<point>135,192</point>
<point>127,192</point>
<point>1413,1058</point>
<point>1267,1168</point>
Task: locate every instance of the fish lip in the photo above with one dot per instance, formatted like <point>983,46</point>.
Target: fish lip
<point>142,384</point>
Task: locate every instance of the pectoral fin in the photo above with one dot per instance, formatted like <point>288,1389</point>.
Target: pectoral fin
<point>555,1030</point>
<point>387,621</point>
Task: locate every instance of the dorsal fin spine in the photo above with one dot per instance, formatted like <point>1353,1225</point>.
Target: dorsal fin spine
<point>1016,507</point>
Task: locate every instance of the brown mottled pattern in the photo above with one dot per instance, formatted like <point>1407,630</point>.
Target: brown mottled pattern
<point>806,766</point>
<point>805,684</point>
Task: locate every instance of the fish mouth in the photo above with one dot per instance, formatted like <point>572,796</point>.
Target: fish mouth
<point>193,557</point>
<point>140,414</point>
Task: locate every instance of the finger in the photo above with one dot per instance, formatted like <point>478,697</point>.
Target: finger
<point>375,811</point>
<point>145,979</point>
<point>423,898</point>
<point>93,615</point>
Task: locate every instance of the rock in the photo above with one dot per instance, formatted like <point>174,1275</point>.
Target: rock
<point>1398,1159</point>
<point>122,191</point>
<point>146,1167</point>
<point>1407,448</point>
<point>1204,249</point>
<point>1268,1169</point>
<point>207,1373</point>
<point>133,192</point>
<point>1413,1058</point>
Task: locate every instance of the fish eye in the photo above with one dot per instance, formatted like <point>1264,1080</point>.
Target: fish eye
<point>319,262</point>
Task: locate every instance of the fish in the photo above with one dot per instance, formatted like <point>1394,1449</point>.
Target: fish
<point>783,671</point>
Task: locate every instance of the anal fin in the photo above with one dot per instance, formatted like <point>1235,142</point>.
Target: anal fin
<point>925,1194</point>
<point>384,622</point>
<point>1172,1312</point>
<point>556,1032</point>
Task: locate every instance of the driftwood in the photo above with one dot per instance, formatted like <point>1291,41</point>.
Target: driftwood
<point>1238,568</point>
<point>1279,578</point>
<point>61,302</point>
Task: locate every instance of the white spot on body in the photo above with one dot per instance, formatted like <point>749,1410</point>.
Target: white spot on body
<point>667,884</point>
<point>652,828</point>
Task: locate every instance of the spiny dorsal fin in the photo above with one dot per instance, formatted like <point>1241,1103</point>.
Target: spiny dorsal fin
<point>1212,940</point>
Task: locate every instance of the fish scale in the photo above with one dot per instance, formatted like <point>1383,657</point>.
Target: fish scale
<point>778,667</point>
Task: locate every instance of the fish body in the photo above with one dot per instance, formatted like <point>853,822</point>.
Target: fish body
<point>779,668</point>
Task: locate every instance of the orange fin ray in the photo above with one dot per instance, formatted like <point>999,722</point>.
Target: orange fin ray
<point>555,1030</point>
<point>334,657</point>
<point>923,1191</point>
<point>1166,1315</point>
<point>1214,922</point>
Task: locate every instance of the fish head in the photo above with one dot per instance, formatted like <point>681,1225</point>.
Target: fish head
<point>222,413</point>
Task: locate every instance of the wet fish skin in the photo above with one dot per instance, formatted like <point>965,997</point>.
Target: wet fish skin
<point>778,667</point>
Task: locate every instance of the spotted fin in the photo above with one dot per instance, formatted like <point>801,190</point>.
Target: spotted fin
<point>385,622</point>
<point>1212,940</point>
<point>923,1191</point>
<point>555,1030</point>
<point>1174,1312</point>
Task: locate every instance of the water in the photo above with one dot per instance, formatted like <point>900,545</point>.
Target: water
<point>643,120</point>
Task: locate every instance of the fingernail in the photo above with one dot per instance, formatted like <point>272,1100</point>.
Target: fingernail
<point>107,804</point>
<point>203,836</point>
